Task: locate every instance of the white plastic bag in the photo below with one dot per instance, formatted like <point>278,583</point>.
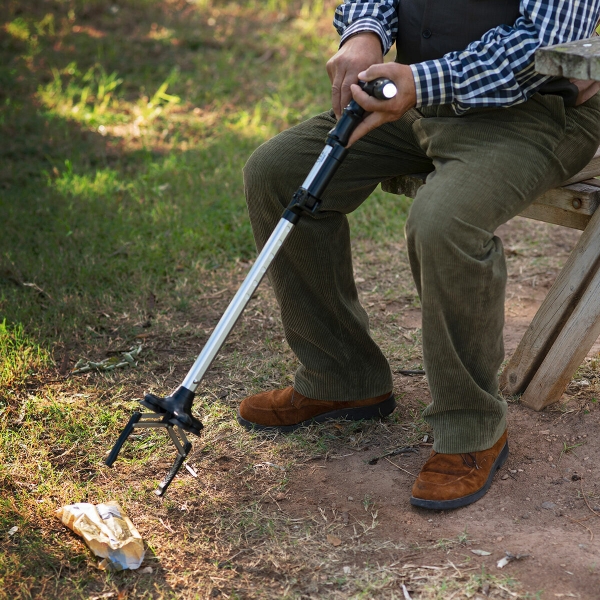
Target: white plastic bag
<point>107,531</point>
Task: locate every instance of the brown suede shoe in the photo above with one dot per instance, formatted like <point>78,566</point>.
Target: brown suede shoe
<point>286,410</point>
<point>454,480</point>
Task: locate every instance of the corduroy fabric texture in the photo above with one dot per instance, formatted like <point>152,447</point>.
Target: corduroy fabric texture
<point>486,167</point>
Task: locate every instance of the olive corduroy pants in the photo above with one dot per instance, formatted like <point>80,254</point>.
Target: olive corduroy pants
<point>485,167</point>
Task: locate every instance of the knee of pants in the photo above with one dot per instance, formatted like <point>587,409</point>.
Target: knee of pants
<point>262,177</point>
<point>433,228</point>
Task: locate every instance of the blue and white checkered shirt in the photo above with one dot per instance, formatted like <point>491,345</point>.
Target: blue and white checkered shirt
<point>498,69</point>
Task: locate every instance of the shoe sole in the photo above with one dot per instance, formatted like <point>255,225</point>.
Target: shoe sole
<point>465,500</point>
<point>360,413</point>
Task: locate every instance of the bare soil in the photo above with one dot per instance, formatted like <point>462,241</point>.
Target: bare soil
<point>536,507</point>
<point>312,515</point>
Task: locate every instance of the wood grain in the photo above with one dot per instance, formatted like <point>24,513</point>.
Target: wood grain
<point>555,311</point>
<point>568,350</point>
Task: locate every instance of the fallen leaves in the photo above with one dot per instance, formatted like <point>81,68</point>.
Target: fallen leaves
<point>481,552</point>
<point>123,359</point>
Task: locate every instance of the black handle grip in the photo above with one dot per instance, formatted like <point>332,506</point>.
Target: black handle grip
<point>381,88</point>
<point>307,198</point>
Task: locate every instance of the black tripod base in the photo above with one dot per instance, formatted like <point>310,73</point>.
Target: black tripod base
<point>174,414</point>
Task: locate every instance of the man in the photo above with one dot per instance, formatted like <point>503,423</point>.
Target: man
<point>493,134</point>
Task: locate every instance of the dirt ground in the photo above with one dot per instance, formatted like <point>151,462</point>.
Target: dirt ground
<point>312,514</point>
<point>536,507</point>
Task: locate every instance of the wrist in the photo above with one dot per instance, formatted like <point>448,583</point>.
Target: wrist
<point>364,37</point>
<point>409,87</point>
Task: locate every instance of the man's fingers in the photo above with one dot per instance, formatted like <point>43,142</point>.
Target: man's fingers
<point>367,102</point>
<point>347,91</point>
<point>342,92</point>
<point>374,71</point>
<point>336,95</point>
<point>369,123</point>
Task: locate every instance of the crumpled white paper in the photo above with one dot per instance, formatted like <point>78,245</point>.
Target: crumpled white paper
<point>107,531</point>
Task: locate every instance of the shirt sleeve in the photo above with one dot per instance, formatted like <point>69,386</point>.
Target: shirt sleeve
<point>379,17</point>
<point>498,70</point>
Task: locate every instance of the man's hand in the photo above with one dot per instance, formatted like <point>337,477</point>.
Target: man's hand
<point>358,53</point>
<point>383,111</point>
<point>586,88</point>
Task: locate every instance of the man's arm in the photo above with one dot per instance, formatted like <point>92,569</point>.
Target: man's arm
<point>379,17</point>
<point>498,69</point>
<point>367,30</point>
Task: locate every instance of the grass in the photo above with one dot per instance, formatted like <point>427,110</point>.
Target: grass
<point>127,131</point>
<point>125,128</point>
<point>21,357</point>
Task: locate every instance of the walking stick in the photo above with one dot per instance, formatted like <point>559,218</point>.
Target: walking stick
<point>174,412</point>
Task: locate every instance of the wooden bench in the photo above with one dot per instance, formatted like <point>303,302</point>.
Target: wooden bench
<point>568,322</point>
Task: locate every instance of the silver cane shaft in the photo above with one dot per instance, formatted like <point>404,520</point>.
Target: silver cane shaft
<point>314,184</point>
<point>237,305</point>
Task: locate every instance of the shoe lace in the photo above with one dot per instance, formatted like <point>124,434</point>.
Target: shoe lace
<point>473,461</point>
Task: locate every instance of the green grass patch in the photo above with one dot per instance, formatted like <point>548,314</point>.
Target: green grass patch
<point>20,356</point>
<point>127,129</point>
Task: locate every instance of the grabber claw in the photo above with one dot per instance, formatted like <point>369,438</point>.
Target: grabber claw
<point>178,406</point>
<point>174,422</point>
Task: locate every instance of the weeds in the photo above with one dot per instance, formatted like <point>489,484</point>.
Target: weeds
<point>568,448</point>
<point>84,96</point>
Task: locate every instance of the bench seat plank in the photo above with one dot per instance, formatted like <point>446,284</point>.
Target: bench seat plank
<point>578,60</point>
<point>570,206</point>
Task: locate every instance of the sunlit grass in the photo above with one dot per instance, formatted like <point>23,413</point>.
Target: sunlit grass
<point>20,356</point>
<point>127,141</point>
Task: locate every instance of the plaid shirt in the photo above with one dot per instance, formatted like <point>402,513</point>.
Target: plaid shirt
<point>498,69</point>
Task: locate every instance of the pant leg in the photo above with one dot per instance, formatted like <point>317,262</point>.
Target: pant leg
<point>324,323</point>
<point>489,166</point>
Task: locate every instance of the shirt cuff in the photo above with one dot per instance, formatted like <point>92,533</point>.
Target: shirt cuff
<point>367,24</point>
<point>433,82</point>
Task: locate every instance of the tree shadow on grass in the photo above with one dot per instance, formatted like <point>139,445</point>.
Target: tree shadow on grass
<point>50,561</point>
<point>110,196</point>
<point>96,213</point>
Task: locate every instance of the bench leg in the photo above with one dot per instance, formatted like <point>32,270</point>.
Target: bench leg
<point>568,351</point>
<point>561,303</point>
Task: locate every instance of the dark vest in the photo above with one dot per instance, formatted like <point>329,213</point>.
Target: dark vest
<point>428,29</point>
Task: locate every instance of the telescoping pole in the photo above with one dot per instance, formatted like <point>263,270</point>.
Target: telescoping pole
<point>305,200</point>
<point>176,410</point>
